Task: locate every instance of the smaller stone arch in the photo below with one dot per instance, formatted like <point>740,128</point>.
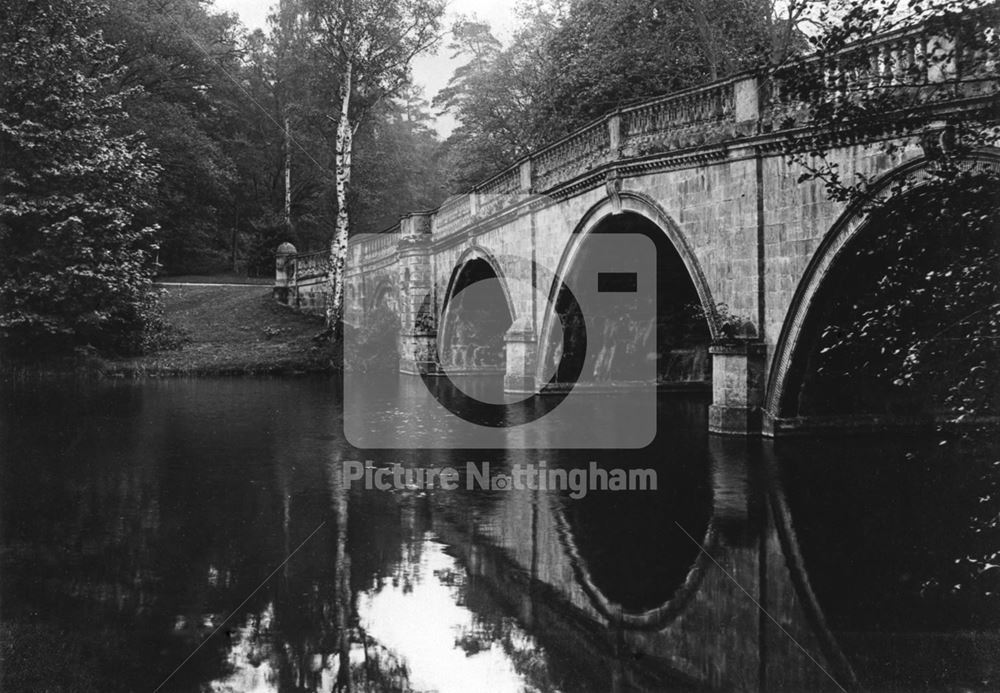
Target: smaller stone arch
<point>447,320</point>
<point>382,292</point>
<point>851,223</point>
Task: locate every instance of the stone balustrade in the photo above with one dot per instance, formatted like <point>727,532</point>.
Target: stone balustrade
<point>452,215</point>
<point>305,281</point>
<point>578,153</point>
<point>499,193</point>
<point>690,118</point>
<point>913,62</point>
<point>308,266</point>
<point>379,246</point>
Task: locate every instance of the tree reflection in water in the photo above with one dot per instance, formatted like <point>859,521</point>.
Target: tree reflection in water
<point>136,517</point>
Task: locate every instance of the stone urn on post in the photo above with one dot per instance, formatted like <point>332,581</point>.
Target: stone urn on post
<point>284,271</point>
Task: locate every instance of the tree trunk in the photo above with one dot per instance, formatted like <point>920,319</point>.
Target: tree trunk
<point>709,37</point>
<point>288,177</point>
<point>338,245</point>
<point>236,231</point>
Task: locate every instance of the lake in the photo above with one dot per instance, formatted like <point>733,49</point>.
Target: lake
<point>203,535</point>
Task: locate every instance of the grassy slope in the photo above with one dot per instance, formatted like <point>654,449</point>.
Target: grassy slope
<point>232,330</point>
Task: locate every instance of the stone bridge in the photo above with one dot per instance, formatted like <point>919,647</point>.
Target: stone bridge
<point>704,173</point>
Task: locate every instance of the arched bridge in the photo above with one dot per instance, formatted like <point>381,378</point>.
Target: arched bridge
<point>744,249</point>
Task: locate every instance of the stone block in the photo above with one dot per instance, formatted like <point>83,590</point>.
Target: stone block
<point>747,99</point>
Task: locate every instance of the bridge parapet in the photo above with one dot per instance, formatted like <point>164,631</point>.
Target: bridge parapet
<point>377,247</point>
<point>571,156</point>
<point>897,61</point>
<point>452,215</point>
<point>371,248</point>
<point>307,275</point>
<point>311,265</point>
<point>500,192</point>
<point>693,117</point>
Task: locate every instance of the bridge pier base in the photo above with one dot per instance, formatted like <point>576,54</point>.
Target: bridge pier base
<point>418,310</point>
<point>737,388</point>
<point>521,347</point>
<point>418,354</point>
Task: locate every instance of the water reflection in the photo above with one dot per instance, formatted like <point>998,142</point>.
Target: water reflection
<point>144,522</point>
<point>906,577</point>
<point>428,621</point>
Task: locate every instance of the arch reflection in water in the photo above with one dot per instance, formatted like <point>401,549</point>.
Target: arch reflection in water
<point>131,533</point>
<point>629,550</point>
<point>896,543</point>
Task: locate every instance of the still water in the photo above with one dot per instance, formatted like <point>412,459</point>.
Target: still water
<point>199,535</point>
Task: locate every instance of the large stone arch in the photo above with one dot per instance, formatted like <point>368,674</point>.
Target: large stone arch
<point>850,225</point>
<point>625,201</point>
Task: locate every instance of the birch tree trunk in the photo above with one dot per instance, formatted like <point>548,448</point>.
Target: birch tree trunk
<point>338,245</point>
<point>288,175</point>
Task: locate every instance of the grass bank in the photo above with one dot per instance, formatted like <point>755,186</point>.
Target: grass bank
<point>231,330</point>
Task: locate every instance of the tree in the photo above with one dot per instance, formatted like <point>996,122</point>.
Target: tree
<point>397,169</point>
<point>187,110</point>
<point>608,54</point>
<point>788,22</point>
<point>493,96</point>
<point>371,43</point>
<point>571,62</point>
<point>230,116</point>
<point>282,156</point>
<point>75,264</point>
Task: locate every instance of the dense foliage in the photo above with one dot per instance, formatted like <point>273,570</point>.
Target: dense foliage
<point>75,255</point>
<point>141,137</point>
<point>928,324</point>
<point>571,62</point>
<point>910,323</point>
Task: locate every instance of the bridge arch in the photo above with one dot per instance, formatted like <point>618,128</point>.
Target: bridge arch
<point>643,205</point>
<point>829,256</point>
<point>622,205</point>
<point>382,293</point>
<point>474,264</point>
